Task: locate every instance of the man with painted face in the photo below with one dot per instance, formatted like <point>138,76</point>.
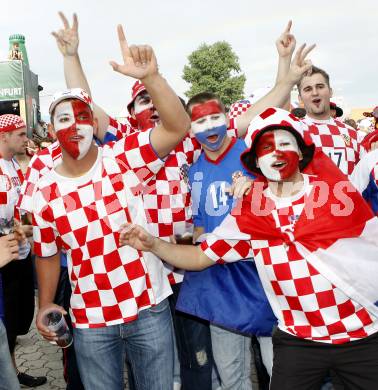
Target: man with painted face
<point>210,294</point>
<point>118,303</point>
<point>299,220</point>
<point>167,202</point>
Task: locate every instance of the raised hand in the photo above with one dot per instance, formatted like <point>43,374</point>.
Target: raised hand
<point>138,61</point>
<point>67,38</point>
<point>286,42</point>
<point>136,237</point>
<point>300,65</point>
<point>8,249</point>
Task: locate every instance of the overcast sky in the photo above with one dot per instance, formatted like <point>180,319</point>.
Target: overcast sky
<point>346,34</point>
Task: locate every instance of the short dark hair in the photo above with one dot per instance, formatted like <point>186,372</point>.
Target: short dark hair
<point>314,70</point>
<point>203,97</point>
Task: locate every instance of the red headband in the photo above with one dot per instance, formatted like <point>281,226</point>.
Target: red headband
<point>202,109</point>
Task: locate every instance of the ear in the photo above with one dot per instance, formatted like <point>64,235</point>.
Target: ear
<point>257,163</point>
<point>95,126</point>
<point>132,113</point>
<point>51,130</point>
<point>300,155</point>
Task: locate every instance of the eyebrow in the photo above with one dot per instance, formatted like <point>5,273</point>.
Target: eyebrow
<point>63,113</point>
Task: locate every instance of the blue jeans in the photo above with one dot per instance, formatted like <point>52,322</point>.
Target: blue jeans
<point>194,348</point>
<point>232,355</point>
<point>8,377</point>
<point>148,343</point>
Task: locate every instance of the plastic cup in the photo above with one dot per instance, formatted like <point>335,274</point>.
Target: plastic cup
<point>55,321</point>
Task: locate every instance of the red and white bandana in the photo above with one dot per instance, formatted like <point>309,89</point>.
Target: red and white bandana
<point>11,122</point>
<point>306,303</point>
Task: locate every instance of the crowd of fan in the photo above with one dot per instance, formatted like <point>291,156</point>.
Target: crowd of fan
<point>193,241</point>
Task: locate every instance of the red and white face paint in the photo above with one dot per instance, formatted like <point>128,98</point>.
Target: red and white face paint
<point>73,123</point>
<point>277,155</point>
<point>145,112</point>
<point>209,124</point>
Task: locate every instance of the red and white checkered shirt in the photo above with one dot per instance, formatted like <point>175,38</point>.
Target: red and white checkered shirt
<point>305,302</point>
<point>337,140</point>
<point>167,200</point>
<point>110,284</point>
<point>10,186</point>
<point>238,108</point>
<point>40,164</point>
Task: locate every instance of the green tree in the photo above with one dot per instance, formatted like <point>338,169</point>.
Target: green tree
<point>215,68</point>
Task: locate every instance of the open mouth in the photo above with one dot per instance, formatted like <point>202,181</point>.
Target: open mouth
<point>278,165</point>
<point>155,118</point>
<point>317,101</point>
<point>76,138</point>
<point>212,139</point>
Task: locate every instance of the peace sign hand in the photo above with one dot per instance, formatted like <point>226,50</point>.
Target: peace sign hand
<point>286,42</point>
<point>300,65</point>
<point>139,61</point>
<point>67,38</point>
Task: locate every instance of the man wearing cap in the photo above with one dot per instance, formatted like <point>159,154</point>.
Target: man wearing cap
<point>298,234</point>
<point>118,303</point>
<point>17,276</point>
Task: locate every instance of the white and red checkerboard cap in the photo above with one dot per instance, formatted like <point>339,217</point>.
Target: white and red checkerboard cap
<point>11,122</point>
<point>270,119</point>
<point>137,88</point>
<point>73,93</point>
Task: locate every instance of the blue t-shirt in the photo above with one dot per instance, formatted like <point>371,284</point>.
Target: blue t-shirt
<point>208,183</point>
<point>229,295</point>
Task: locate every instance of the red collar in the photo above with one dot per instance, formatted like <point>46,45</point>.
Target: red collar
<point>221,156</point>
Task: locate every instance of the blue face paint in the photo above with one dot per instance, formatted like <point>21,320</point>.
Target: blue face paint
<point>220,131</point>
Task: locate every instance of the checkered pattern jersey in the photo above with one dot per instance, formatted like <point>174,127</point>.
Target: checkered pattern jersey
<point>10,186</point>
<point>40,164</point>
<point>306,304</point>
<point>166,199</point>
<point>337,140</point>
<point>238,108</point>
<point>110,284</point>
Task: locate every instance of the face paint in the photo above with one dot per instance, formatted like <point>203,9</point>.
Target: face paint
<point>209,124</point>
<point>145,112</point>
<point>73,123</point>
<point>277,155</point>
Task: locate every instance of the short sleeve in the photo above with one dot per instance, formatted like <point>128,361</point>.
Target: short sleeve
<point>135,158</point>
<point>45,237</point>
<point>117,130</point>
<point>227,243</point>
<point>226,250</point>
